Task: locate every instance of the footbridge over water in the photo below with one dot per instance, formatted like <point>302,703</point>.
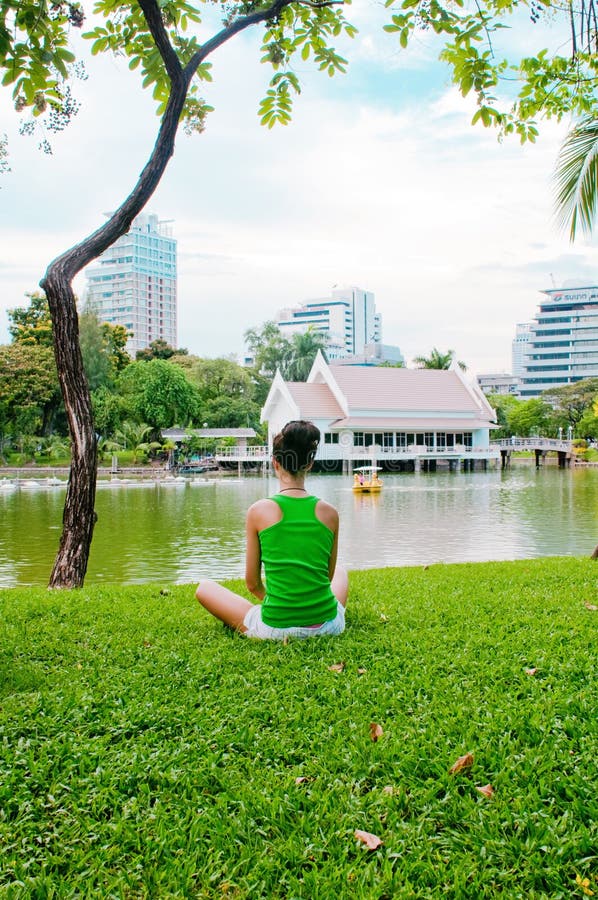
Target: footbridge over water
<point>541,447</point>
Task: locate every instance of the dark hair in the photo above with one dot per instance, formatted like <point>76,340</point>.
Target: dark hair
<point>295,447</point>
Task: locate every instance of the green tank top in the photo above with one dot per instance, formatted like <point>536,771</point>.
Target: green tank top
<point>296,554</point>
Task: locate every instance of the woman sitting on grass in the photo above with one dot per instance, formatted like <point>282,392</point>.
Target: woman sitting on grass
<point>295,536</point>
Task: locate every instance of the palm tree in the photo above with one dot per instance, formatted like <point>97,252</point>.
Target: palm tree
<point>27,446</point>
<point>132,436</point>
<point>54,447</point>
<point>437,360</point>
<point>304,347</point>
<point>576,177</point>
<point>105,446</point>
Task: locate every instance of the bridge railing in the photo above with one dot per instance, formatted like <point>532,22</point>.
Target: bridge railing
<point>533,443</point>
<point>336,452</point>
<point>256,453</point>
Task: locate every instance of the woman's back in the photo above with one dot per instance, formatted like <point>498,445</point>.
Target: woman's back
<point>295,552</point>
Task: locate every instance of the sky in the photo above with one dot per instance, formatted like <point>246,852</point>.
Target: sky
<point>380,181</point>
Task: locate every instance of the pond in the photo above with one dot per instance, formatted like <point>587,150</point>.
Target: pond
<point>181,531</point>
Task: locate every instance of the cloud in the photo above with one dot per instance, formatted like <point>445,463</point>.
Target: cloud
<point>380,181</point>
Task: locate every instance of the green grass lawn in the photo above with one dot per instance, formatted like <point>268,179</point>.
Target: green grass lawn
<point>148,752</point>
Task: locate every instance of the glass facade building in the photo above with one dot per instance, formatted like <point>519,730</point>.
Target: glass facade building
<point>562,343</point>
<point>134,283</point>
<point>348,318</point>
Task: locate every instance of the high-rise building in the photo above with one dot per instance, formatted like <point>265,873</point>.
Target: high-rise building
<point>519,348</point>
<point>349,320</point>
<point>562,343</point>
<point>498,383</point>
<point>134,283</point>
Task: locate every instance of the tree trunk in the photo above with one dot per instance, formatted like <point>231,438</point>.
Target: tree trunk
<point>78,517</point>
<point>78,520</point>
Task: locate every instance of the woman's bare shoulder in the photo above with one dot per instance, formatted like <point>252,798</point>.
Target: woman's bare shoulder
<point>327,514</point>
<point>263,513</point>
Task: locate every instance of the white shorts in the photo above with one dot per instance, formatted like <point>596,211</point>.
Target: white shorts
<point>258,629</point>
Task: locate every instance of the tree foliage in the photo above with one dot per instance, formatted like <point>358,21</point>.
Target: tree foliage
<point>572,401</point>
<point>303,349</point>
<point>268,348</point>
<point>159,394</point>
<point>29,390</point>
<point>38,61</point>
<point>530,417</point>
<point>159,349</point>
<point>576,178</point>
<point>293,356</point>
<point>572,406</point>
<point>103,346</point>
<point>226,391</point>
<point>537,83</point>
<point>437,360</point>
<point>31,324</point>
<point>502,404</point>
<point>514,92</point>
<point>161,40</point>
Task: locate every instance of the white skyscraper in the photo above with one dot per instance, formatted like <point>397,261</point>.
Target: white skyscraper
<point>562,343</point>
<point>348,318</point>
<point>520,348</point>
<point>134,283</point>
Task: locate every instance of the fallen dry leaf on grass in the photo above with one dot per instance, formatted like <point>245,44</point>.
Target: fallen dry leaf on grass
<point>337,667</point>
<point>462,764</point>
<point>361,671</point>
<point>530,671</point>
<point>486,790</point>
<point>302,779</point>
<point>376,731</point>
<point>591,606</point>
<point>372,841</point>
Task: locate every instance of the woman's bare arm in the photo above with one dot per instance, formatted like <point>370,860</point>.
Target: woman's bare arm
<point>253,556</point>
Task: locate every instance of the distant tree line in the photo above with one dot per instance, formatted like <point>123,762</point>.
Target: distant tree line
<point>571,409</point>
<point>134,399</point>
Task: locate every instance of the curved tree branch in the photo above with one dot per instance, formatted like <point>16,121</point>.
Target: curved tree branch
<point>153,16</point>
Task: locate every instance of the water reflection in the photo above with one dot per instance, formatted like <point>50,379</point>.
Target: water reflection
<point>183,531</point>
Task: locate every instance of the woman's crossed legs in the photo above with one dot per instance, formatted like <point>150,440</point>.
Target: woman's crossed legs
<point>231,608</point>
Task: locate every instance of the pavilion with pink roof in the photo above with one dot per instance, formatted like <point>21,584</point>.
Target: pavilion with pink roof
<point>396,417</point>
